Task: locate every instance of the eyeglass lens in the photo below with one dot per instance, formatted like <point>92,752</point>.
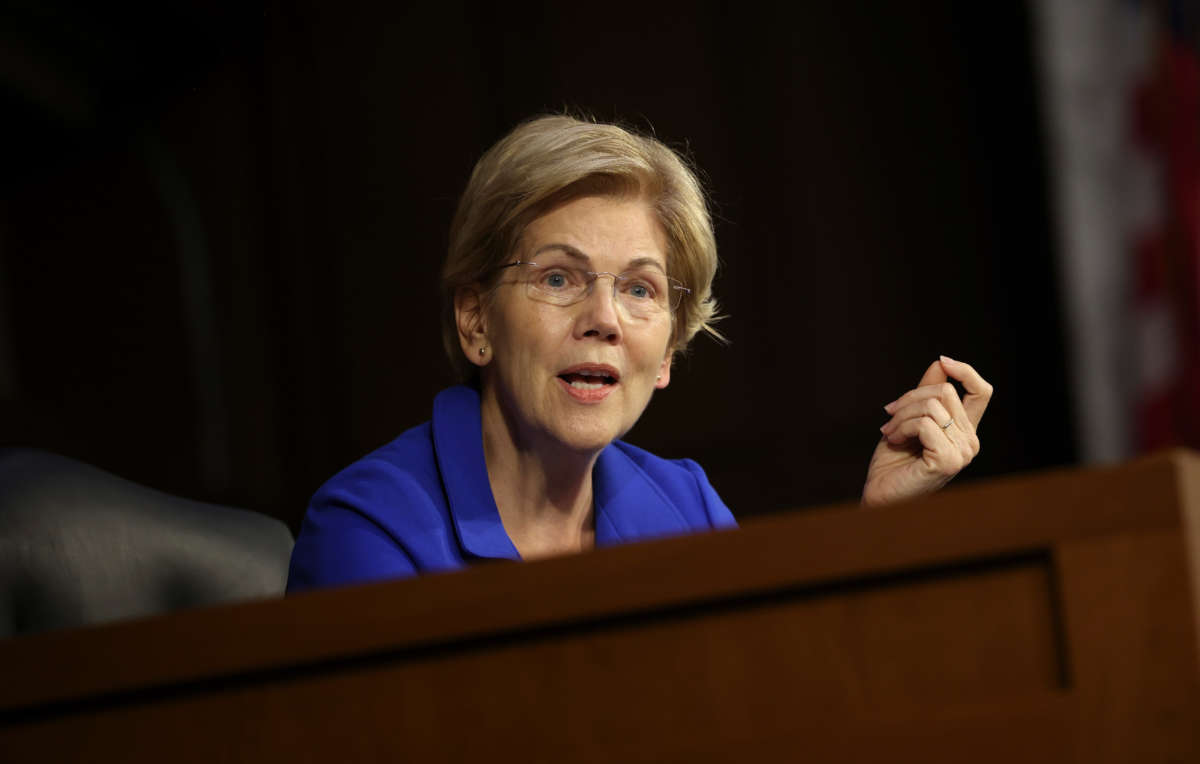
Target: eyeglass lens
<point>641,291</point>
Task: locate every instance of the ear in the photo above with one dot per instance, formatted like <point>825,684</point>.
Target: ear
<point>469,315</point>
<point>664,371</point>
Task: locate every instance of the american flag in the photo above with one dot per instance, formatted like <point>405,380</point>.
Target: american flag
<point>1121,85</point>
<point>1165,133</point>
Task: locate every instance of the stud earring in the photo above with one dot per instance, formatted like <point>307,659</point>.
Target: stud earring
<point>483,351</point>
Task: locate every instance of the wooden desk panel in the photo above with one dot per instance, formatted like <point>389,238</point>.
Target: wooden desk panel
<point>1046,618</point>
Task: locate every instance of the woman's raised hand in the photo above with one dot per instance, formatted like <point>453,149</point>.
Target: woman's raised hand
<point>931,435</point>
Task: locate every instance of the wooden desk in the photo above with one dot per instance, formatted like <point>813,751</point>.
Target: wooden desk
<point>1042,618</point>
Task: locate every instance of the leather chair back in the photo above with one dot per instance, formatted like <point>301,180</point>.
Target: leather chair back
<point>80,546</point>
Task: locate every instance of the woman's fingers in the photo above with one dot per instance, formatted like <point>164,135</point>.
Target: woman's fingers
<point>962,437</point>
<point>942,423</point>
<point>927,407</point>
<point>967,411</point>
<point>979,390</point>
<point>940,405</point>
<point>933,375</point>
<point>939,452</point>
<point>943,392</point>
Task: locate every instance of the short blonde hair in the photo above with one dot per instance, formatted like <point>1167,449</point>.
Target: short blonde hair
<point>549,160</point>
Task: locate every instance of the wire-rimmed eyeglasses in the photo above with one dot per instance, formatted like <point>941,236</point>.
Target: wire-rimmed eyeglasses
<point>643,292</point>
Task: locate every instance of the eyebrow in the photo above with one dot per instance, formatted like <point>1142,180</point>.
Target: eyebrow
<point>578,254</point>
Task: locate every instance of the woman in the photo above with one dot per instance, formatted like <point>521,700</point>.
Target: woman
<point>581,261</point>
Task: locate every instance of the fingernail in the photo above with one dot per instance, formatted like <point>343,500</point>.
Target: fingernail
<point>889,408</point>
<point>948,359</point>
<point>883,429</point>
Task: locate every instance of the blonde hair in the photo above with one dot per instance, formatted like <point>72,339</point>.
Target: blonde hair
<point>550,160</point>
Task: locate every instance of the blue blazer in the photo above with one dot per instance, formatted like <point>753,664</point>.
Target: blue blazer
<point>423,503</point>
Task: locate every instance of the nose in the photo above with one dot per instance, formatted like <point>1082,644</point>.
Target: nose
<point>598,312</point>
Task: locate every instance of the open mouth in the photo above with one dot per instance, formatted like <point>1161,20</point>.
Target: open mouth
<point>589,377</point>
<point>587,380</point>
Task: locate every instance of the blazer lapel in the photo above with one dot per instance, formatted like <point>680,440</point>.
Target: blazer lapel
<point>458,445</point>
<point>629,505</point>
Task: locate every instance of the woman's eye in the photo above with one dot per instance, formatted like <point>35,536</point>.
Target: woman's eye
<point>641,291</point>
<point>556,280</point>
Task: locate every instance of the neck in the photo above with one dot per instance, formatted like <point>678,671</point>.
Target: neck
<point>542,489</point>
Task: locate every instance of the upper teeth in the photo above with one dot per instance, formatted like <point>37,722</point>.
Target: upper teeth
<point>586,373</point>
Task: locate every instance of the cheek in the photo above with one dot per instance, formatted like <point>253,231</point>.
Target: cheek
<point>539,339</point>
<point>657,346</point>
<point>549,329</point>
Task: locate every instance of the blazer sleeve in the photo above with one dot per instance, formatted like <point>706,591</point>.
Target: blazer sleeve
<point>340,543</point>
<point>719,516</point>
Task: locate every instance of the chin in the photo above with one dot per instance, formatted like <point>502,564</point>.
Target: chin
<point>586,444</point>
<point>588,437</point>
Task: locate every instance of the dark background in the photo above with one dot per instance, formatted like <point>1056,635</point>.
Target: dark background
<point>221,225</point>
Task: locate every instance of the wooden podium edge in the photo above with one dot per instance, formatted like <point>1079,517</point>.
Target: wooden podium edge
<point>804,549</point>
<point>1189,489</point>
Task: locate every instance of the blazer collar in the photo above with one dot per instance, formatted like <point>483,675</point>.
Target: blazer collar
<point>629,504</point>
<point>458,444</point>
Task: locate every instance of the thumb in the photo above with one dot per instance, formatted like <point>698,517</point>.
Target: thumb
<point>935,374</point>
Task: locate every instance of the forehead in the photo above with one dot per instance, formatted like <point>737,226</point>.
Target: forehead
<point>612,230</point>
